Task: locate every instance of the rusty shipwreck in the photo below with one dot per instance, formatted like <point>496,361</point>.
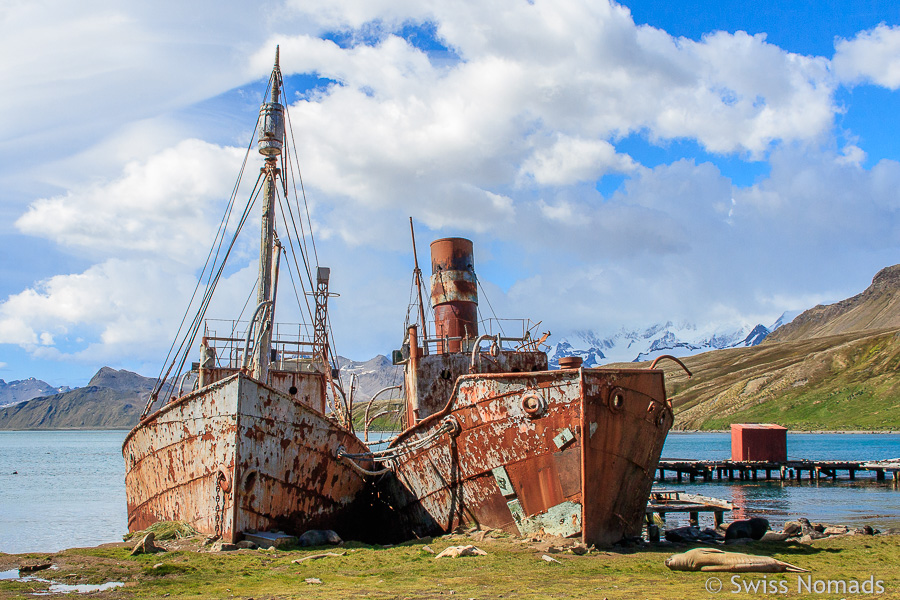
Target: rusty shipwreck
<point>497,440</point>
<point>251,444</point>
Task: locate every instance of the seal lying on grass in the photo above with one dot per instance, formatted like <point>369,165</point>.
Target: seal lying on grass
<point>709,559</point>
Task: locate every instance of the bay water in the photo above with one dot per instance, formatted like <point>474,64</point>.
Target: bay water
<point>864,501</point>
<point>64,489</point>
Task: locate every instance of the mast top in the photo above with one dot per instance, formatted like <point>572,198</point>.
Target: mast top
<point>271,117</point>
<point>276,78</point>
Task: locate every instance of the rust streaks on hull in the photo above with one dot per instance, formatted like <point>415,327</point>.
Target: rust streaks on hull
<point>579,460</point>
<point>278,454</point>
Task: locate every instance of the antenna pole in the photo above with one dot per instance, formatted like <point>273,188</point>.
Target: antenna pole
<point>418,273</point>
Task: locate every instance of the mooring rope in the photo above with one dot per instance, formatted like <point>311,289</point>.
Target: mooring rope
<point>390,455</point>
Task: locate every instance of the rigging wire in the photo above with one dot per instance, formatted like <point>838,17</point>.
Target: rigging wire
<point>294,253</point>
<point>302,188</point>
<point>218,240</point>
<point>496,318</point>
<point>290,237</point>
<point>244,308</point>
<point>191,334</point>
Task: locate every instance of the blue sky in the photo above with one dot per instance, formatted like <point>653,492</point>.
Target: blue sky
<point>714,163</point>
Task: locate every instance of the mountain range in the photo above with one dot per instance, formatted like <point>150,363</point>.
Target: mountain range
<point>831,367</point>
<point>26,389</point>
<point>637,345</point>
<point>111,400</point>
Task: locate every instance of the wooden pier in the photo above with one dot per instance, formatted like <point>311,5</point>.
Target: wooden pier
<point>668,501</point>
<point>708,470</point>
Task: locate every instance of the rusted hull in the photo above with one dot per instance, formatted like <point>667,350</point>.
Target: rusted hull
<point>272,457</point>
<point>568,452</point>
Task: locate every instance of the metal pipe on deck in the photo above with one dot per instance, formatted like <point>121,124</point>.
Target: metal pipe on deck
<point>412,378</point>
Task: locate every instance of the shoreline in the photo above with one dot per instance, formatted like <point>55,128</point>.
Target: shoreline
<point>798,431</point>
<point>526,568</point>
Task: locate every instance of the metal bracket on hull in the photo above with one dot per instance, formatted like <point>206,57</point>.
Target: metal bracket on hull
<point>565,436</point>
<point>503,482</point>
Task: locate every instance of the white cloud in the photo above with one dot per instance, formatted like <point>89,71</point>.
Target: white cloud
<point>115,310</point>
<point>574,68</point>
<point>852,154</point>
<point>571,160</point>
<point>92,65</point>
<point>163,206</point>
<point>872,55</point>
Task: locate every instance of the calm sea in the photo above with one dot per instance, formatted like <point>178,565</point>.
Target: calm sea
<point>69,488</point>
<point>862,502</point>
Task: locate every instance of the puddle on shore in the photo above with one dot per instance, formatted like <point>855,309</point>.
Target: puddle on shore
<point>59,588</point>
<point>65,588</point>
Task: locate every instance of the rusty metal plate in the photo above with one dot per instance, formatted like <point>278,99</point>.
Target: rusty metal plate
<point>453,481</point>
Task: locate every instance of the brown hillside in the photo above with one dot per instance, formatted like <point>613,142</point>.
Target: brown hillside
<point>878,307</point>
<point>846,381</point>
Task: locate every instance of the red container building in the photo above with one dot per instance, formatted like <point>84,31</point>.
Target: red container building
<point>758,441</point>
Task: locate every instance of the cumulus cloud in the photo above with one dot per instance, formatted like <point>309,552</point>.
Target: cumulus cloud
<point>116,310</point>
<point>571,160</point>
<point>576,68</point>
<point>162,206</point>
<point>501,134</point>
<point>119,300</point>
<point>537,97</point>
<point>871,56</point>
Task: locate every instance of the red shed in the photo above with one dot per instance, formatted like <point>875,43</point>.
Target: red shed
<point>758,441</point>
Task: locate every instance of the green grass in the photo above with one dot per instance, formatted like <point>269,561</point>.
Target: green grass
<point>510,570</point>
<point>848,407</point>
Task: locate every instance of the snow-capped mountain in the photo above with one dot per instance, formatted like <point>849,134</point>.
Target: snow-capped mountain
<point>15,392</point>
<point>640,345</point>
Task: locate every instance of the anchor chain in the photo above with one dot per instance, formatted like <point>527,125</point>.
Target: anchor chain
<point>220,512</point>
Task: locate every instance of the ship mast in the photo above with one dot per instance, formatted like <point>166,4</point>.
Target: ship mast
<point>271,142</point>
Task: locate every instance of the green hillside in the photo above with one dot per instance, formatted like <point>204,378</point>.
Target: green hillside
<point>841,382</point>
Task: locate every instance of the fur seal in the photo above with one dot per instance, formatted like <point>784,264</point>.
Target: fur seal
<point>754,528</point>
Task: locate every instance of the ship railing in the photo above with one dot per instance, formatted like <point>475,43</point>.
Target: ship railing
<point>518,335</point>
<point>289,342</point>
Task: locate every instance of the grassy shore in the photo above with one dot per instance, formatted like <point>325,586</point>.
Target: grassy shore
<point>512,568</point>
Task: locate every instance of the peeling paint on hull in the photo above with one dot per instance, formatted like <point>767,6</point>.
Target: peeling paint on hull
<point>582,464</point>
<point>277,457</point>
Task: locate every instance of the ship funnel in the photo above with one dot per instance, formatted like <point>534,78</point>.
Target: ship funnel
<point>271,117</point>
<point>454,293</point>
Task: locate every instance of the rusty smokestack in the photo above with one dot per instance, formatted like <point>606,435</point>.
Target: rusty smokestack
<point>454,292</point>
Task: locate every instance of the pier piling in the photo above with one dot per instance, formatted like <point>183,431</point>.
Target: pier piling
<point>786,470</point>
